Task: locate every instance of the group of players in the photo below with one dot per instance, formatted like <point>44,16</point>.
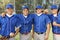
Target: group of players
<point>39,22</point>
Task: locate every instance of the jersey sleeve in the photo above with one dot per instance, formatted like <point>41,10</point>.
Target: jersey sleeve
<point>47,20</point>
<point>18,24</point>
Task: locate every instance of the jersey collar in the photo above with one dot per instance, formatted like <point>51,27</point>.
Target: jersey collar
<point>39,14</point>
<point>10,15</point>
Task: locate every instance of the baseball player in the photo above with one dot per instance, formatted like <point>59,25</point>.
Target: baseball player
<point>8,23</point>
<point>55,20</point>
<point>26,23</point>
<point>41,24</point>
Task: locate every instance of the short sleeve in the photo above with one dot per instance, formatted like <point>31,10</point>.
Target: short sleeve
<point>18,24</point>
<point>47,20</point>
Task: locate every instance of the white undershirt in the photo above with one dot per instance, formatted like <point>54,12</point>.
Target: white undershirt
<point>25,16</point>
<point>39,14</point>
<point>55,15</point>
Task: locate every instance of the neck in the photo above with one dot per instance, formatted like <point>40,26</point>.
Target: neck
<point>25,14</point>
<point>10,13</point>
<point>55,14</point>
<point>39,13</point>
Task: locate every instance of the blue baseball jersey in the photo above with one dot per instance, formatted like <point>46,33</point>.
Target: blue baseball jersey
<point>0,26</point>
<point>55,29</point>
<point>8,24</point>
<point>26,23</point>
<point>40,23</point>
<point>49,15</point>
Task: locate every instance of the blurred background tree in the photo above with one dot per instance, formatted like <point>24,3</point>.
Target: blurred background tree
<point>31,3</point>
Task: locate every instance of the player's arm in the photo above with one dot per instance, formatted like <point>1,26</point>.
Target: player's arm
<point>48,23</point>
<point>32,31</point>
<point>56,24</point>
<point>3,14</point>
<point>18,25</point>
<point>12,34</point>
<point>33,27</point>
<point>17,31</point>
<point>47,31</point>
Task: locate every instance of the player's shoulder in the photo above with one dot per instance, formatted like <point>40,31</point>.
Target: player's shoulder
<point>2,17</point>
<point>44,14</point>
<point>30,14</point>
<point>19,15</point>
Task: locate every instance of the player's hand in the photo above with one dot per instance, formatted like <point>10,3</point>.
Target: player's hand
<point>15,34</point>
<point>54,23</point>
<point>46,37</point>
<point>17,31</point>
<point>12,34</point>
<point>3,14</point>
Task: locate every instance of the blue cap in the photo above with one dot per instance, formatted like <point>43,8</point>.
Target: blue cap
<point>39,7</point>
<point>54,7</point>
<point>9,6</point>
<point>25,7</point>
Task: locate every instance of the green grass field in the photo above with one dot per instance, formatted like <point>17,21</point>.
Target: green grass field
<point>50,36</point>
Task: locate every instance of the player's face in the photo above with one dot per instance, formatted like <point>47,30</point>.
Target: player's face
<point>38,11</point>
<point>9,11</point>
<point>25,11</point>
<point>54,11</point>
